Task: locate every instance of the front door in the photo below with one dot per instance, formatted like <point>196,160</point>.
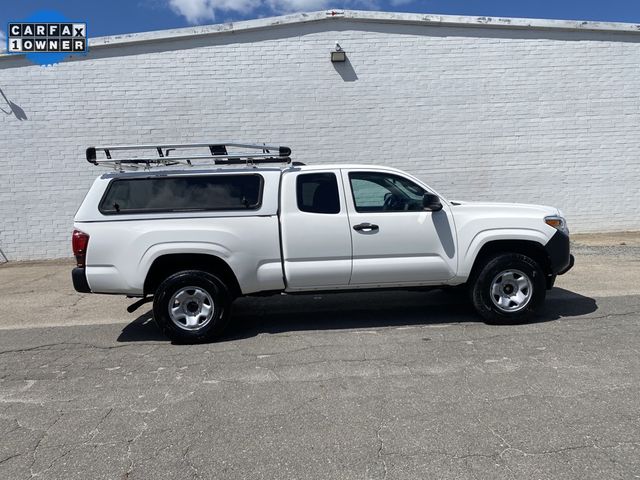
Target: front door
<point>395,241</point>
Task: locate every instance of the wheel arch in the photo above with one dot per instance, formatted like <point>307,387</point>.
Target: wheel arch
<point>170,263</point>
<point>531,248</point>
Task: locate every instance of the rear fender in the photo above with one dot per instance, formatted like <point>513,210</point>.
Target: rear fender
<point>160,249</point>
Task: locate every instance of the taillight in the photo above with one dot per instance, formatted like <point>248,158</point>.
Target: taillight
<point>80,241</point>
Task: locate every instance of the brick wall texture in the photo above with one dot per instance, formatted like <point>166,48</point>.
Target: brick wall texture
<point>531,116</point>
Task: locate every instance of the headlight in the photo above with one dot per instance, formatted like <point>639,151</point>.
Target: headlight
<point>557,222</point>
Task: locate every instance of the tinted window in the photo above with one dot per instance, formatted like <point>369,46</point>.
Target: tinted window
<point>176,194</point>
<point>382,192</point>
<point>318,193</point>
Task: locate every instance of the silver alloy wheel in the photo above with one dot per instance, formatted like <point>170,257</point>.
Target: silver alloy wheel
<point>191,308</point>
<point>511,290</point>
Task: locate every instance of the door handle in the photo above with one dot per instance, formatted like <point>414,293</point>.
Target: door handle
<point>366,227</point>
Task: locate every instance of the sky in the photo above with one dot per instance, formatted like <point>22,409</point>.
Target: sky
<point>109,17</point>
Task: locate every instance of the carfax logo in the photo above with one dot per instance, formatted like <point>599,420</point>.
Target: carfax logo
<point>47,37</point>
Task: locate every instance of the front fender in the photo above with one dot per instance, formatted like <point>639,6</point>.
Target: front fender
<point>489,235</point>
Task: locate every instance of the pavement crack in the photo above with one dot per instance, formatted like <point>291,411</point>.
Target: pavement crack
<point>381,449</point>
<point>53,462</point>
<point>49,346</point>
<point>6,459</point>
<point>129,445</point>
<point>559,450</point>
<point>186,461</point>
<point>503,443</point>
<point>39,442</point>
<point>95,430</point>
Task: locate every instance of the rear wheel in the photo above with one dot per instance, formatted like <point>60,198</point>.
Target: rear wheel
<point>192,306</point>
<point>509,289</point>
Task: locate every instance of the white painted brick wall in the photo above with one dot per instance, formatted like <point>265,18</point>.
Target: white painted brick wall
<point>489,114</point>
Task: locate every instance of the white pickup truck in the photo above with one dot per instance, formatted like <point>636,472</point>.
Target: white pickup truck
<point>192,237</point>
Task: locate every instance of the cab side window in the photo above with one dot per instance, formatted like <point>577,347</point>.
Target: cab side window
<point>385,192</point>
<point>318,193</point>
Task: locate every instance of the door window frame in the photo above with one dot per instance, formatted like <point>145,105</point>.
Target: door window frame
<point>354,206</point>
<point>337,185</point>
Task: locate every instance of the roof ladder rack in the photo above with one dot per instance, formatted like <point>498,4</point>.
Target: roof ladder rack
<point>218,153</point>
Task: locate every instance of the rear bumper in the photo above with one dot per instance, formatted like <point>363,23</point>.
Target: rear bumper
<point>559,253</point>
<point>79,278</point>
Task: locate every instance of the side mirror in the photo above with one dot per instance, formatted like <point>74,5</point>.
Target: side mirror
<point>431,202</point>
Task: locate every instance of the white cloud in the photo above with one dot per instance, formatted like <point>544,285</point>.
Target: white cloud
<point>3,41</point>
<point>297,5</point>
<point>198,11</point>
<point>288,6</point>
<point>193,10</point>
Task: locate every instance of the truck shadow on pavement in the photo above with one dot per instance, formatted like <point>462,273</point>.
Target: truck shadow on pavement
<point>280,314</point>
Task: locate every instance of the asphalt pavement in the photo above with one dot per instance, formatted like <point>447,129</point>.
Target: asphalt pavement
<point>388,385</point>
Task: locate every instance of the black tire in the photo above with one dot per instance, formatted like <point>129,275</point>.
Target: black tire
<point>483,284</point>
<point>219,298</point>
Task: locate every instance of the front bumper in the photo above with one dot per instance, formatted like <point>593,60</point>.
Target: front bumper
<point>80,282</point>
<point>559,253</point>
<point>572,261</point>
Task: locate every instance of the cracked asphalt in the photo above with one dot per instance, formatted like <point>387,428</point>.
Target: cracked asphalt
<point>395,385</point>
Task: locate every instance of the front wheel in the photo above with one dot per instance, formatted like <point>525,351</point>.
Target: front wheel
<point>192,307</point>
<point>509,289</point>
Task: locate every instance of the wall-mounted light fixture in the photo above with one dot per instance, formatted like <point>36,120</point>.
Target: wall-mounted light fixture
<point>338,55</point>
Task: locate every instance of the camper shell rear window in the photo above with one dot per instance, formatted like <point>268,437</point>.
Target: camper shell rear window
<point>182,194</point>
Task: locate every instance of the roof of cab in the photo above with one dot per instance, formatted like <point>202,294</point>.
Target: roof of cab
<point>163,172</point>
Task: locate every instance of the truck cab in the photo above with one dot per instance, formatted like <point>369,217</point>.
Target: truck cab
<point>363,227</point>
